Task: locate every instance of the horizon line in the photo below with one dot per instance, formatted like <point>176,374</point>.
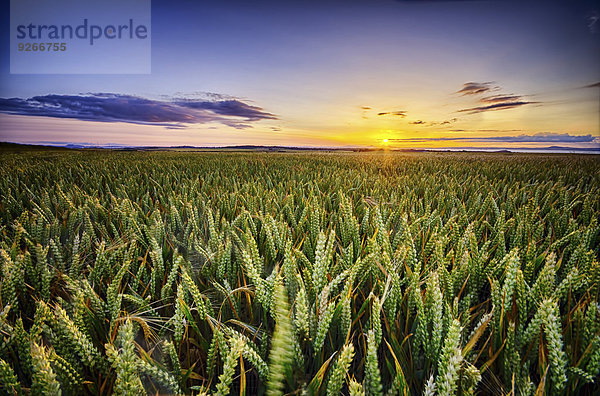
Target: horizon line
<point>115,146</point>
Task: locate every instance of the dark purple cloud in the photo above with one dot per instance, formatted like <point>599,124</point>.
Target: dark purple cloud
<point>490,102</point>
<point>233,108</point>
<point>474,88</point>
<point>110,107</point>
<point>501,98</point>
<point>496,106</point>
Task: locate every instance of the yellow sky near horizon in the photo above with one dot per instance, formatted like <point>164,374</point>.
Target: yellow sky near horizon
<point>363,132</point>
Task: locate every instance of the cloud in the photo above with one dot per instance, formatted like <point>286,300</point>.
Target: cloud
<point>547,137</point>
<point>486,130</point>
<point>434,123</point>
<point>233,108</point>
<point>446,122</point>
<point>500,98</point>
<point>594,85</point>
<point>474,88</point>
<point>111,107</point>
<point>592,19</point>
<point>399,113</point>
<point>496,106</point>
<point>198,95</point>
<point>450,121</point>
<point>490,102</point>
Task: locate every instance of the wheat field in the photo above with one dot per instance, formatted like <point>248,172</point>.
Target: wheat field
<point>133,273</point>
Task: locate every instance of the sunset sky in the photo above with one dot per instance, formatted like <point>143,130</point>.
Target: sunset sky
<point>332,73</point>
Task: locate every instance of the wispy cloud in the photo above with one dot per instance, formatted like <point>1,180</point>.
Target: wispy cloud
<point>111,107</point>
<point>434,123</point>
<point>592,18</point>
<point>474,88</point>
<point>446,122</point>
<point>490,102</point>
<point>399,113</point>
<point>501,98</point>
<point>535,138</point>
<point>486,130</point>
<point>495,106</point>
